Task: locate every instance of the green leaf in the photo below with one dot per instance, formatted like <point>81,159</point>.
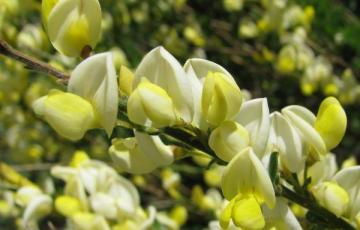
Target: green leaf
<point>273,167</point>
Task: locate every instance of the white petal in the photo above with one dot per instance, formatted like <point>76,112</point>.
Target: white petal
<point>245,174</point>
<point>162,69</point>
<point>309,134</point>
<point>323,170</point>
<point>349,179</point>
<point>280,217</point>
<point>95,80</point>
<point>254,116</point>
<point>125,195</point>
<point>155,149</point>
<point>39,207</point>
<point>287,141</point>
<point>202,67</point>
<point>133,161</point>
<point>197,91</point>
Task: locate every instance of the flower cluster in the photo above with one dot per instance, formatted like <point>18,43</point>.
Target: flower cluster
<point>163,111</point>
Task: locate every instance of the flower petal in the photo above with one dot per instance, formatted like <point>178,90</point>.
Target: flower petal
<point>254,116</point>
<point>245,174</point>
<point>95,80</point>
<point>162,69</point>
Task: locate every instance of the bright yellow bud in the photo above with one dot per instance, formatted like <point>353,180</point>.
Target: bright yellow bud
<point>78,158</point>
<point>5,209</point>
<point>309,13</point>
<point>150,104</point>
<point>67,205</point>
<point>332,197</point>
<point>229,139</point>
<point>286,62</point>
<point>126,80</point>
<point>70,115</point>
<point>221,98</point>
<point>179,214</point>
<point>331,122</point>
<point>72,24</point>
<point>247,214</point>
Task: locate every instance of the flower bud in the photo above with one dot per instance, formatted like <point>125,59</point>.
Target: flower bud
<point>72,24</point>
<point>286,62</point>
<point>331,196</point>
<point>70,115</point>
<point>67,205</point>
<point>331,122</point>
<point>149,104</point>
<point>125,80</point>
<point>228,139</point>
<point>221,98</point>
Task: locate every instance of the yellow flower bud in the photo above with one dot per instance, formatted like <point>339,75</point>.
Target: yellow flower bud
<point>72,24</point>
<point>332,197</point>
<point>150,103</point>
<point>221,98</point>
<point>67,205</point>
<point>78,158</point>
<point>286,62</point>
<point>70,115</point>
<point>229,139</point>
<point>331,122</point>
<point>5,209</point>
<point>179,214</point>
<point>126,80</point>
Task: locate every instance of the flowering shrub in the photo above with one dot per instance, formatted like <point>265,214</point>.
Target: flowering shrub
<point>149,132</point>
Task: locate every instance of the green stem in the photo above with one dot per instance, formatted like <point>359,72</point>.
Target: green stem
<point>331,219</point>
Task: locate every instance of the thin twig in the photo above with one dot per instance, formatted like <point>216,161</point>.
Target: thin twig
<point>31,63</point>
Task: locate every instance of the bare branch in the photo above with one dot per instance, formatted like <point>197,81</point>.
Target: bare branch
<point>31,63</point>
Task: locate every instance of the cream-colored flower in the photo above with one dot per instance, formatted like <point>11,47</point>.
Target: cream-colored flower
<point>72,24</point>
<point>228,139</point>
<point>141,154</point>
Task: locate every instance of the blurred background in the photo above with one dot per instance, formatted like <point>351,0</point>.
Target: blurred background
<point>292,52</point>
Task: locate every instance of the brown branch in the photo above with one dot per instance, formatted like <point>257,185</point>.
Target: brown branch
<point>31,63</point>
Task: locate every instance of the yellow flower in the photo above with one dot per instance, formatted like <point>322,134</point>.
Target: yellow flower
<point>221,98</point>
<point>72,24</point>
